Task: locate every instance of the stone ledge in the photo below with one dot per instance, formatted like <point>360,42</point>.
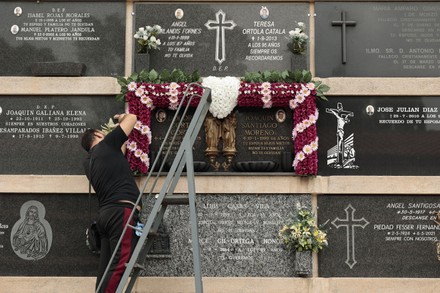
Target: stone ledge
<point>59,86</point>
<point>234,184</point>
<point>226,285</point>
<point>382,86</point>
<point>365,86</point>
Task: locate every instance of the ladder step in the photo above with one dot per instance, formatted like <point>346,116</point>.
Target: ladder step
<point>175,200</point>
<point>138,266</point>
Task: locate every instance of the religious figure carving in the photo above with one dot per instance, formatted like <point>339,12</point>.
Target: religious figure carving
<point>212,137</point>
<point>213,133</point>
<point>30,238</point>
<point>345,153</point>
<point>228,133</point>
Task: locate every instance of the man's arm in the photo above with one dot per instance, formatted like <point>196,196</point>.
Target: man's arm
<point>127,122</point>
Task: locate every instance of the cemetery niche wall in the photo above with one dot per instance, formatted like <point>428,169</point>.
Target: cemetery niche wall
<point>389,39</point>
<point>238,236</point>
<point>383,236</point>
<point>43,235</point>
<point>64,38</point>
<point>222,126</point>
<point>221,39</point>
<point>44,133</point>
<point>379,136</point>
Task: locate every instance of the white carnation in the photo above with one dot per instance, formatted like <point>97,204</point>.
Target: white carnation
<point>224,94</point>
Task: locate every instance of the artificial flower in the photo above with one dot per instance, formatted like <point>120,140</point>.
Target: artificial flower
<point>302,233</point>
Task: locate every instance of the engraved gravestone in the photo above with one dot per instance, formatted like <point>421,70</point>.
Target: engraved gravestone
<point>387,236</point>
<point>42,134</point>
<point>264,135</point>
<point>379,136</point>
<point>62,38</point>
<point>43,235</point>
<point>387,39</point>
<point>222,39</point>
<point>238,236</point>
<point>263,141</point>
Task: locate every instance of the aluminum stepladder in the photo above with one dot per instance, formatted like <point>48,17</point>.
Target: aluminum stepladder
<point>184,157</point>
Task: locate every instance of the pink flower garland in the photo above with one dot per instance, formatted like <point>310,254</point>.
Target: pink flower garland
<point>141,99</point>
<point>300,97</point>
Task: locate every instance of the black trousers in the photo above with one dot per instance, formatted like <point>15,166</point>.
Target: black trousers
<point>111,223</point>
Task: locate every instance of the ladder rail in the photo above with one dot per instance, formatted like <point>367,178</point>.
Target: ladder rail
<point>171,181</point>
<point>193,221</point>
<point>166,138</point>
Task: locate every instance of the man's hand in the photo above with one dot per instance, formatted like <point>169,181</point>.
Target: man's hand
<point>126,121</point>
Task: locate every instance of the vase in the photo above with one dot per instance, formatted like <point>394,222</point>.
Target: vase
<point>299,62</point>
<point>303,263</point>
<point>141,62</point>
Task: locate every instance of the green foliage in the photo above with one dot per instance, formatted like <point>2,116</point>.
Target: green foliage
<point>153,76</point>
<point>303,76</point>
<point>177,75</point>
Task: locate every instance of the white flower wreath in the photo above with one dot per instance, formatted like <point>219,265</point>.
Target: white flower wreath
<point>224,93</point>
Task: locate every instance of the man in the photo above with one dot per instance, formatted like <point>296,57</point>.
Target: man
<point>117,194</point>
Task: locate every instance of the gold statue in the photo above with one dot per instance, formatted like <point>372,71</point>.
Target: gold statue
<point>213,132</point>
<point>228,133</point>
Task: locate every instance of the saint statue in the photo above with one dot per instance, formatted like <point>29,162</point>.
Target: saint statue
<point>212,132</point>
<point>228,133</point>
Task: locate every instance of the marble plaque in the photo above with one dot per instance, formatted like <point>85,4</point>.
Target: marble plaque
<point>47,35</point>
<point>265,135</point>
<point>44,235</point>
<point>263,141</point>
<point>222,39</point>
<point>384,236</point>
<point>379,136</point>
<point>369,39</point>
<point>42,134</point>
<point>237,233</point>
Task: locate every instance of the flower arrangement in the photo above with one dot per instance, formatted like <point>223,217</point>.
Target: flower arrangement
<point>142,98</point>
<point>148,90</point>
<point>298,91</point>
<point>108,127</point>
<point>146,38</point>
<point>299,39</point>
<point>224,93</point>
<point>303,233</point>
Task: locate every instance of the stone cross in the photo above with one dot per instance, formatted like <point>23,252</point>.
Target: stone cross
<point>350,223</point>
<point>220,25</point>
<point>343,23</point>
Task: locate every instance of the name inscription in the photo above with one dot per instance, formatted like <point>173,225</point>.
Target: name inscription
<point>60,24</point>
<point>43,121</point>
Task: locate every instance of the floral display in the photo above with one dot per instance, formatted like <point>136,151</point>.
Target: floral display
<point>147,38</point>
<point>228,93</point>
<point>108,127</point>
<point>298,39</point>
<point>303,233</point>
<point>301,98</point>
<point>224,93</point>
<point>141,99</point>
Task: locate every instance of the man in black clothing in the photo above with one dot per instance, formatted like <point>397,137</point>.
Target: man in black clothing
<point>117,192</point>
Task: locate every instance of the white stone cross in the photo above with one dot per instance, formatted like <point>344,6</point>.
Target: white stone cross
<point>220,25</point>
